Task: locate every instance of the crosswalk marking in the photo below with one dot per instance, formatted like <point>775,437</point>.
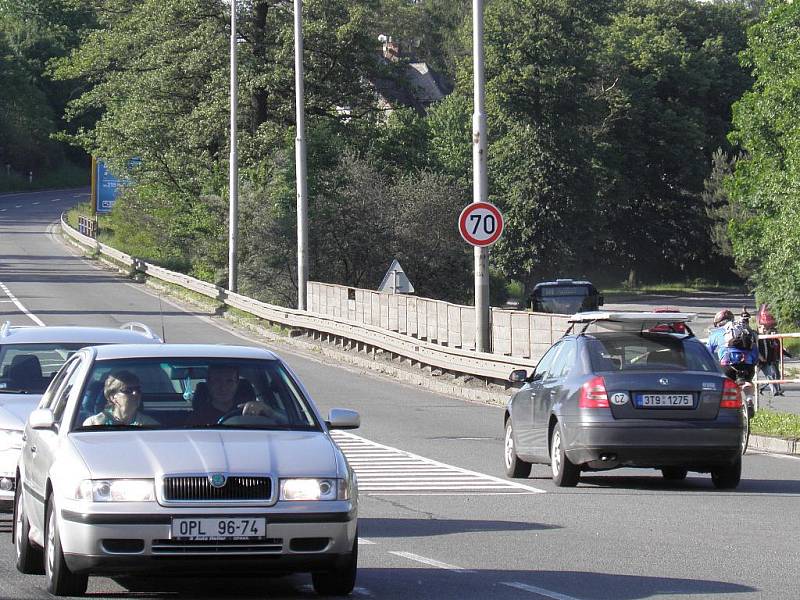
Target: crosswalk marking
<point>389,471</point>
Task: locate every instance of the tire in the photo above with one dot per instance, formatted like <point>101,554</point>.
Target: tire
<point>565,473</point>
<point>341,581</point>
<point>727,478</point>
<point>515,466</point>
<point>60,580</point>
<point>674,473</point>
<point>30,559</point>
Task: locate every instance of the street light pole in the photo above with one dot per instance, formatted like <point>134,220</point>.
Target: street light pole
<point>300,159</point>
<point>480,183</point>
<point>233,183</point>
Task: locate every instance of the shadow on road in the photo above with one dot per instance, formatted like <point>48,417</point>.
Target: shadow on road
<point>388,528</point>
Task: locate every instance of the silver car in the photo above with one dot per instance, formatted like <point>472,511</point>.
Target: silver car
<point>183,485</point>
<point>29,359</point>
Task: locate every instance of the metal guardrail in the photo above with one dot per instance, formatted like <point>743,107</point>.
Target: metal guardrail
<point>458,360</point>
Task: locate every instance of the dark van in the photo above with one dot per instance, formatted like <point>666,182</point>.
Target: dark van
<point>565,296</point>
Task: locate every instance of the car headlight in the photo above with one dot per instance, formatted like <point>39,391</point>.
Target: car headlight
<point>314,489</point>
<point>116,490</point>
<point>10,439</point>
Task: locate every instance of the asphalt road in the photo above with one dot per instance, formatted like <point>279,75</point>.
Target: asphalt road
<point>622,535</point>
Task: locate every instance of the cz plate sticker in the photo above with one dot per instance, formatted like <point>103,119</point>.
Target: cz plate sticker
<point>619,398</point>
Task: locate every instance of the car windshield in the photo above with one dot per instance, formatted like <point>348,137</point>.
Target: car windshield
<point>627,351</point>
<point>172,393</point>
<point>28,368</point>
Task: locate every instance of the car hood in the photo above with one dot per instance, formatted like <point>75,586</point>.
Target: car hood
<point>146,454</point>
<point>15,408</point>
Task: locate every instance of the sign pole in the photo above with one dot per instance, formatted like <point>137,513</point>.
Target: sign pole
<point>94,187</point>
<point>300,159</point>
<point>233,181</point>
<point>480,178</point>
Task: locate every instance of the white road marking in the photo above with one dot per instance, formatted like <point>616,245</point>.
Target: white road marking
<point>3,210</point>
<point>430,562</point>
<point>18,206</point>
<point>35,203</point>
<point>19,305</point>
<point>366,542</point>
<point>538,590</point>
<point>56,200</point>
<point>389,471</point>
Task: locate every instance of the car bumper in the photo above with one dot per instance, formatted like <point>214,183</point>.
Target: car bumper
<point>8,467</point>
<point>698,446</point>
<point>122,543</point>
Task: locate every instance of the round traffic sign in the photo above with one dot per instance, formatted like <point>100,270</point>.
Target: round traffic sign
<point>480,224</point>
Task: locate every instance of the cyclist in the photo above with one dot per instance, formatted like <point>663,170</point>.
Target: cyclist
<point>738,363</point>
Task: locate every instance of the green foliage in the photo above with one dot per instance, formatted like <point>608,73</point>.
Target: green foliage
<point>767,422</point>
<point>765,189</point>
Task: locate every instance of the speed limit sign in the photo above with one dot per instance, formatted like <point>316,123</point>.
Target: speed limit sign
<point>480,224</point>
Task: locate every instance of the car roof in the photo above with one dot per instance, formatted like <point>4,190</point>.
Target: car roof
<point>133,333</point>
<point>644,319</point>
<point>122,351</point>
<point>564,282</point>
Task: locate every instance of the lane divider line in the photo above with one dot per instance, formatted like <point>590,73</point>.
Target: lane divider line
<point>19,305</point>
<point>430,562</point>
<point>537,590</point>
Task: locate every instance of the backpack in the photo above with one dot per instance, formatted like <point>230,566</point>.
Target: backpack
<point>738,335</point>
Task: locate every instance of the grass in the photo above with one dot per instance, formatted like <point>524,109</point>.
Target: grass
<point>65,176</point>
<point>776,424</point>
<point>693,286</point>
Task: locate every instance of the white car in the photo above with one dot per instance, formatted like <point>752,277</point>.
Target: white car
<point>183,459</point>
<point>29,358</point>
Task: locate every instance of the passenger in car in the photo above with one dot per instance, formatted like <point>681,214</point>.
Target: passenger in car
<point>123,394</point>
<point>223,393</point>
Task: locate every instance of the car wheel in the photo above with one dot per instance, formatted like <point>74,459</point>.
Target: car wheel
<point>30,559</point>
<point>728,477</point>
<point>565,473</point>
<point>674,473</point>
<point>515,466</point>
<point>340,581</point>
<point>60,580</point>
<point>746,431</point>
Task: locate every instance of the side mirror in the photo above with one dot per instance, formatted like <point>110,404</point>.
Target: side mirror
<point>41,418</point>
<point>341,418</point>
<point>518,376</point>
<point>600,300</point>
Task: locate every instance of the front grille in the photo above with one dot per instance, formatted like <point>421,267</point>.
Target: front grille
<point>199,488</point>
<point>217,547</point>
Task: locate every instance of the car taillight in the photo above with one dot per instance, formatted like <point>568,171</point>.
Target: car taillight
<point>731,396</point>
<point>594,394</point>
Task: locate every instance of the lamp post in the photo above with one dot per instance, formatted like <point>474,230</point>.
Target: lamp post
<point>233,182</point>
<point>300,159</point>
<point>479,178</point>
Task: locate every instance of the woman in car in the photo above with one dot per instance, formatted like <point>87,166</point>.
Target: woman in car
<point>123,393</point>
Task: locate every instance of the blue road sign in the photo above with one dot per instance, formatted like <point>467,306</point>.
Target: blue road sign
<point>109,186</point>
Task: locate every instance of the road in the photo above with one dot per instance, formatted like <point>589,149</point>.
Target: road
<point>462,531</point>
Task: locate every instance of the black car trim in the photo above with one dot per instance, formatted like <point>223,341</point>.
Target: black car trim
<point>32,492</point>
<point>151,519</point>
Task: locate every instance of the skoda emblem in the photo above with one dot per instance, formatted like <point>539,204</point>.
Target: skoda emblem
<point>663,381</point>
<point>217,480</point>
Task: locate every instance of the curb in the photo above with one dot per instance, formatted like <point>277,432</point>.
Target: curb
<point>775,445</point>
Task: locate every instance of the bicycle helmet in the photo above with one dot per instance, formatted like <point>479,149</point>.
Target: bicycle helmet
<point>722,316</point>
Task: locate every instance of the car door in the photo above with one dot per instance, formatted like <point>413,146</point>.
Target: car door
<point>41,447</point>
<point>552,391</point>
<point>523,405</point>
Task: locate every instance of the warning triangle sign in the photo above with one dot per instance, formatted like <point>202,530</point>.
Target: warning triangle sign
<point>396,281</point>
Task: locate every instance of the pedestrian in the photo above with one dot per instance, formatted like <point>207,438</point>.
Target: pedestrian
<point>769,350</point>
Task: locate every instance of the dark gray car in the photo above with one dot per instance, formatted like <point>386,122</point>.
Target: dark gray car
<point>637,395</point>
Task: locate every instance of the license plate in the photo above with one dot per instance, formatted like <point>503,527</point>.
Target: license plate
<point>664,400</point>
<point>219,528</point>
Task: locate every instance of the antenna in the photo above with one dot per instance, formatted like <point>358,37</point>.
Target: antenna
<point>161,313</point>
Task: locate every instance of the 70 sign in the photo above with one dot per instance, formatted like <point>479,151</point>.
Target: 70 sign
<point>480,224</point>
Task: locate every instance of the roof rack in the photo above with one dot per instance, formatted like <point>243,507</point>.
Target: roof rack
<point>5,329</point>
<point>136,326</point>
<point>617,319</point>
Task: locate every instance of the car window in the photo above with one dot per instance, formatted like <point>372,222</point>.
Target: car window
<point>58,380</point>
<point>30,367</point>
<point>563,363</point>
<point>183,393</point>
<point>59,402</point>
<point>543,367</point>
<point>629,351</point>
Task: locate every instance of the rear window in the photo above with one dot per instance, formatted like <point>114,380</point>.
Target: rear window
<point>648,351</point>
<point>562,290</point>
